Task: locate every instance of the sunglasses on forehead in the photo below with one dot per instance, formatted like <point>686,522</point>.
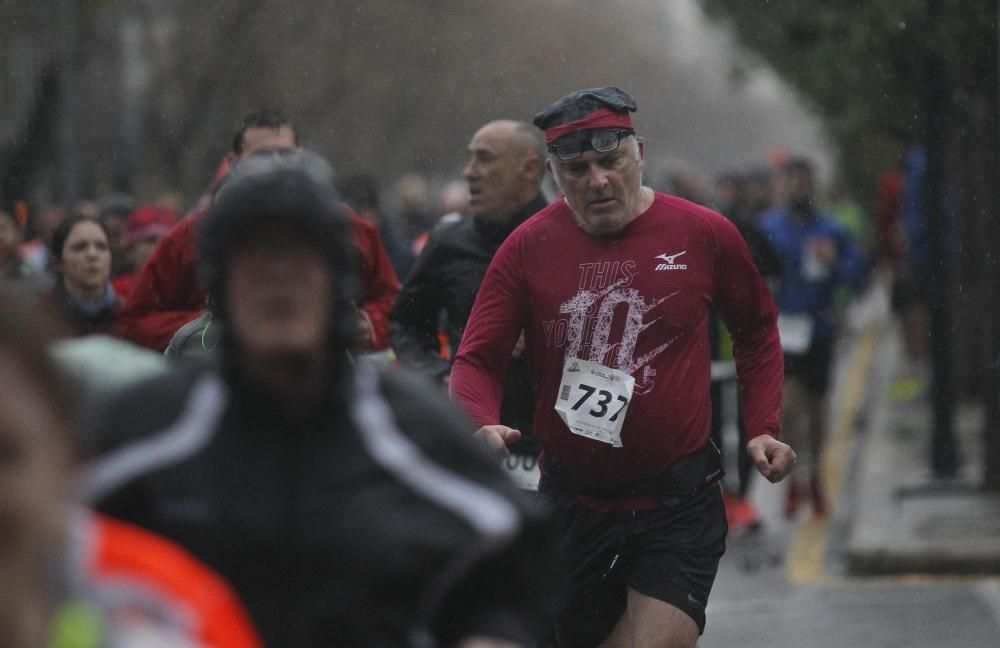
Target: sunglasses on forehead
<point>278,152</point>
<point>602,141</point>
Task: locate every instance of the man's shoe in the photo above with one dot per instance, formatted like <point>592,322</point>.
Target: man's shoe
<point>740,513</point>
<point>747,515</point>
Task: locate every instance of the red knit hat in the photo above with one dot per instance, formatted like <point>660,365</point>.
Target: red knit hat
<point>148,221</point>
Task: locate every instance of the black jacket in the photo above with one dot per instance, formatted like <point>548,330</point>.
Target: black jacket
<point>382,525</point>
<point>442,287</point>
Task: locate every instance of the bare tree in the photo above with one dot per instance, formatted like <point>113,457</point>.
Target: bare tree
<point>385,87</point>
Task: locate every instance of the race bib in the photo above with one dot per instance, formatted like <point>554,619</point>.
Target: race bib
<point>593,400</point>
<point>796,332</point>
<point>814,268</point>
<point>523,470</point>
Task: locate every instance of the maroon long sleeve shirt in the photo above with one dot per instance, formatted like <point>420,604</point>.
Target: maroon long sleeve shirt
<point>638,302</point>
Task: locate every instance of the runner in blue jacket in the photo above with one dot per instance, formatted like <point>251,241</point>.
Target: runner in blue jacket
<point>818,258</point>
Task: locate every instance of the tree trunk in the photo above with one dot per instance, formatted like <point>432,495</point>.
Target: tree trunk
<point>944,446</point>
<point>991,427</point>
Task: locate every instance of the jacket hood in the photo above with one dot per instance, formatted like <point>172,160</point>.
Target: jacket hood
<point>283,197</point>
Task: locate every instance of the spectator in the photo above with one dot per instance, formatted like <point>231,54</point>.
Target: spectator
<point>114,210</point>
<point>453,201</point>
<point>143,230</point>
<point>360,192</point>
<point>731,195</point>
<point>41,225</point>
<point>890,244</point>
<point>411,189</point>
<point>913,280</point>
<point>846,211</point>
<point>762,192</point>
<point>83,295</point>
<point>14,270</point>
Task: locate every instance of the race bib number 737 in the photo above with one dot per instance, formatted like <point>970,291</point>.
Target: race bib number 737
<point>593,400</point>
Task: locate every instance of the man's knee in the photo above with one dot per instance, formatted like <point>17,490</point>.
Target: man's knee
<point>657,624</point>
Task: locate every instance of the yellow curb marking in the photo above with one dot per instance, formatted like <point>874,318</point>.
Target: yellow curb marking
<point>913,580</point>
<point>806,562</point>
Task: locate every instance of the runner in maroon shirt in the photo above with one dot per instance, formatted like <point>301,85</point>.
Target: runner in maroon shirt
<point>613,285</point>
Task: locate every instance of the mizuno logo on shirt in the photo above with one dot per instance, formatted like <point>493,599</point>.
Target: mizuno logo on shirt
<point>670,262</point>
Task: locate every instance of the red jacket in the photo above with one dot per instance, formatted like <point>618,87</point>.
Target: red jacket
<point>123,284</point>
<point>889,238</point>
<point>168,294</point>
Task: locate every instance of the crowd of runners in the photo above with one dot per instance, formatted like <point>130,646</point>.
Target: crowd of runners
<point>299,436</point>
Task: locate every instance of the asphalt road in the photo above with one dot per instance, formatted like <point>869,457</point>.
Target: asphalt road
<point>786,585</point>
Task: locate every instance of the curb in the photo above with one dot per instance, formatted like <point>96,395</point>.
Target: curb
<point>904,521</point>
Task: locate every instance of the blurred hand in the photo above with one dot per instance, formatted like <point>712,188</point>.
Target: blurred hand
<point>498,438</point>
<point>825,251</point>
<point>518,347</point>
<point>366,331</point>
<point>484,642</point>
<point>774,459</point>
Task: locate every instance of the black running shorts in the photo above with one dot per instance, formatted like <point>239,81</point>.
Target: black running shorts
<point>669,553</point>
<point>813,367</point>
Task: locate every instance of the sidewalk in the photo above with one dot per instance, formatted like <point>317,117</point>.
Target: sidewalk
<point>904,520</point>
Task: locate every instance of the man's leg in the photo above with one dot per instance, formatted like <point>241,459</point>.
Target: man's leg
<point>651,623</point>
<point>793,411</point>
<point>794,431</point>
<point>675,553</point>
<point>594,596</point>
<point>816,415</point>
<point>816,387</point>
<point>817,437</point>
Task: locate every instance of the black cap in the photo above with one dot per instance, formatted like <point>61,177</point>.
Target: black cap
<point>117,203</point>
<point>316,167</point>
<point>579,104</point>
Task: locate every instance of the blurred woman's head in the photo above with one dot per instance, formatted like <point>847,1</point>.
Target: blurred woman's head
<point>81,258</point>
<point>37,413</point>
<point>10,237</point>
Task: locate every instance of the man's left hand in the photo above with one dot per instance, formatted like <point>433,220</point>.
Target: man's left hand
<point>774,459</point>
<point>485,642</point>
<point>366,331</point>
<point>498,438</point>
<point>518,347</point>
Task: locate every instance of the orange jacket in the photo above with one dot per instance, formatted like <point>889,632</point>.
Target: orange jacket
<point>122,557</point>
